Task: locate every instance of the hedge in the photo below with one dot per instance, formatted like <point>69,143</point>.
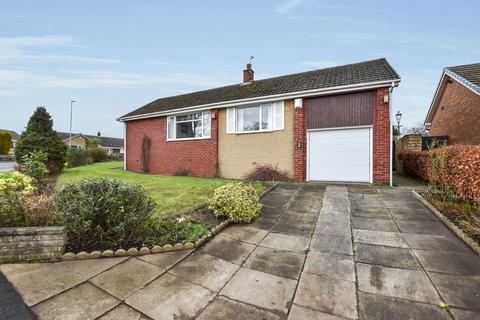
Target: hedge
<point>462,168</point>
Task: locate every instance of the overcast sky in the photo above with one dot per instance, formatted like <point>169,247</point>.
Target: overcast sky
<point>115,56</point>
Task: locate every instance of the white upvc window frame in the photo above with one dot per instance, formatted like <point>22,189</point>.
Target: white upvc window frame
<point>276,118</point>
<point>173,118</point>
<point>260,118</point>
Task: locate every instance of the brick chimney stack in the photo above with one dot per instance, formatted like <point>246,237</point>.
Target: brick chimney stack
<point>248,73</point>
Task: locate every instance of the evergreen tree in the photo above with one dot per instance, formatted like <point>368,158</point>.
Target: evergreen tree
<point>39,135</point>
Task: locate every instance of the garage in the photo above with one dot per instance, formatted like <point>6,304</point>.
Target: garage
<point>339,137</point>
<point>340,155</point>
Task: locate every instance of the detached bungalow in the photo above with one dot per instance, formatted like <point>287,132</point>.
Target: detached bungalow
<point>330,124</point>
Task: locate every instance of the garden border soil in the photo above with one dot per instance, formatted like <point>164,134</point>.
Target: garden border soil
<point>462,235</point>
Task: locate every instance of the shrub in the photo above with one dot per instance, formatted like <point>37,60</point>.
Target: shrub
<point>34,165</point>
<point>267,173</point>
<point>40,135</point>
<point>77,157</point>
<point>103,213</point>
<point>97,154</point>
<point>37,210</point>
<point>13,188</point>
<point>461,168</point>
<point>236,201</point>
<point>174,230</point>
<point>5,142</point>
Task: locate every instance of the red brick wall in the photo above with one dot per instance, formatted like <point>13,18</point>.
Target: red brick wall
<point>458,115</point>
<point>300,142</point>
<point>381,138</point>
<point>199,157</point>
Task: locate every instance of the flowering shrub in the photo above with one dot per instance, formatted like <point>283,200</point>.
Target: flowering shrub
<point>34,165</point>
<point>13,188</point>
<point>236,201</point>
<point>460,168</point>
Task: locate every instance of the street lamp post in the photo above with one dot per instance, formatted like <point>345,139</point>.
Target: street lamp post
<point>70,134</point>
<point>399,117</point>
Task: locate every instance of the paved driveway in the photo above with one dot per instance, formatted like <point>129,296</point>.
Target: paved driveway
<point>316,252</point>
<point>7,166</point>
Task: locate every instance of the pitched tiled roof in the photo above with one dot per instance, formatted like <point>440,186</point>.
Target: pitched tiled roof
<point>470,73</point>
<point>351,74</point>
<point>104,141</point>
<point>15,136</point>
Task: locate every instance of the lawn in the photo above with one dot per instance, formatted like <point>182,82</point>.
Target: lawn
<point>172,194</point>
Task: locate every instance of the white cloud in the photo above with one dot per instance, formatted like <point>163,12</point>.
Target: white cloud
<point>288,5</point>
<point>14,50</point>
<point>319,64</point>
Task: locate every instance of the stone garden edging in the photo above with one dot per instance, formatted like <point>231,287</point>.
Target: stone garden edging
<point>30,244</point>
<point>462,235</point>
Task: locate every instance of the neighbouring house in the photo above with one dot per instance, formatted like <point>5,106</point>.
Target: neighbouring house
<point>80,140</point>
<point>15,137</point>
<point>330,124</point>
<point>455,109</point>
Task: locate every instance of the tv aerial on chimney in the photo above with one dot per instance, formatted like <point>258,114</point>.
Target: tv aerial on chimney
<point>251,58</point>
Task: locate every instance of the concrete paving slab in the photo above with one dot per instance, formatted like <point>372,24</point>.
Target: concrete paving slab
<point>36,282</point>
<point>90,268</point>
<point>205,270</point>
<point>261,289</point>
<point>171,298</point>
<point>379,213</point>
<point>331,243</point>
<point>271,212</point>
<point>264,223</point>
<point>461,263</point>
<point>327,295</point>
<point>281,263</point>
<point>300,313</point>
<point>222,308</point>
<point>413,215</point>
<point>80,303</point>
<point>374,224</point>
<point>398,283</point>
<point>294,227</point>
<point>375,307</point>
<point>165,260</point>
<point>121,312</point>
<point>424,227</point>
<point>331,265</point>
<point>408,203</point>
<point>125,278</point>
<point>460,314</point>
<point>390,239</point>
<point>285,242</point>
<point>433,242</point>
<point>245,233</point>
<point>231,250</point>
<point>460,291</point>
<point>330,227</point>
<point>367,202</point>
<point>362,190</point>
<point>386,256</point>
<point>11,304</point>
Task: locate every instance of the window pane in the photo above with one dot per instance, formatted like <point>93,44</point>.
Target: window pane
<point>191,129</point>
<point>187,117</point>
<point>171,128</point>
<point>248,119</point>
<point>267,117</point>
<point>206,124</point>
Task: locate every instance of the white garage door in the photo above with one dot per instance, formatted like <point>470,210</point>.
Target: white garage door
<point>339,155</point>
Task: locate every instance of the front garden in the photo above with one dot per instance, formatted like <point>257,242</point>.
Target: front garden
<point>102,208</point>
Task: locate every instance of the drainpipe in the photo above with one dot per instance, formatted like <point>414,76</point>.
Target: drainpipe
<point>391,131</point>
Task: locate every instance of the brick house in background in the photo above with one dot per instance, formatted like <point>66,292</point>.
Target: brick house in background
<point>330,124</point>
<point>80,141</point>
<point>455,109</point>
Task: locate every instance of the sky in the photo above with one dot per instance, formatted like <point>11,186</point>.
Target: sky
<point>115,56</point>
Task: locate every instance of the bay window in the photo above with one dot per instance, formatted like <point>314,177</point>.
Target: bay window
<point>189,126</point>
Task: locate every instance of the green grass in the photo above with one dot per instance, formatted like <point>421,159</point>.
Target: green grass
<point>172,194</point>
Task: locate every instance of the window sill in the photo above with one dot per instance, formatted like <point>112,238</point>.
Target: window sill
<point>188,139</point>
<point>251,132</point>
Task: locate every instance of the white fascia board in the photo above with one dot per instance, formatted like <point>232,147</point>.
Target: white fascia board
<point>432,108</point>
<point>271,98</point>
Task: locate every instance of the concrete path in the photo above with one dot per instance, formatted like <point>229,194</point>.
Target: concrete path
<point>7,166</point>
<point>316,252</point>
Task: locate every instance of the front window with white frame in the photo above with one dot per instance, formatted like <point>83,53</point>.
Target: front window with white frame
<point>189,126</point>
<point>260,118</point>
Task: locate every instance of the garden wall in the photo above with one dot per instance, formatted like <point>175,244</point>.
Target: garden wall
<point>461,169</point>
<point>31,244</point>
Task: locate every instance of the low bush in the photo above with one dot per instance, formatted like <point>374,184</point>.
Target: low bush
<point>103,213</point>
<point>236,201</point>
<point>77,157</point>
<point>34,165</point>
<point>97,154</point>
<point>267,173</point>
<point>459,168</point>
<point>174,230</point>
<point>13,188</point>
